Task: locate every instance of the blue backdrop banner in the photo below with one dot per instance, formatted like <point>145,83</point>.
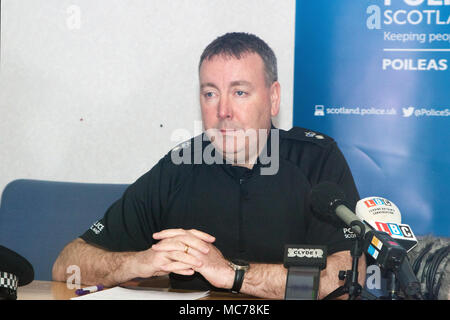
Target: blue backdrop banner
<point>375,75</point>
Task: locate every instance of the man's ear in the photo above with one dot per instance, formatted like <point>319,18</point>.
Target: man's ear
<point>275,98</point>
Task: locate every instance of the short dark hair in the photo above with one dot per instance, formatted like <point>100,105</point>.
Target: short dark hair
<point>237,44</point>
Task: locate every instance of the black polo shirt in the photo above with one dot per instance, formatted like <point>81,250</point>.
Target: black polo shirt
<point>251,215</point>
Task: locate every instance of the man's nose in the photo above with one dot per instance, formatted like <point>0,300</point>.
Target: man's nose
<point>225,110</point>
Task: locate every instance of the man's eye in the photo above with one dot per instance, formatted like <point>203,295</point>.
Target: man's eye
<point>208,94</point>
<point>240,93</point>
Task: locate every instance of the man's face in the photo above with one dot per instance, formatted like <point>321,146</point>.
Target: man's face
<point>235,98</point>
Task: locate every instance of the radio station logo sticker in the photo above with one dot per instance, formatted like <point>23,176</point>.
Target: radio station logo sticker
<point>402,231</point>
<point>374,247</point>
<point>377,202</point>
<point>305,252</point>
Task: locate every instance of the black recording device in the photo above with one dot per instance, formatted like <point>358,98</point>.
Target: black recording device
<point>304,263</point>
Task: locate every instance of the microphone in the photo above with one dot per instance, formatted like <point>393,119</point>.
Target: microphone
<point>328,203</point>
<point>378,209</point>
<point>383,215</point>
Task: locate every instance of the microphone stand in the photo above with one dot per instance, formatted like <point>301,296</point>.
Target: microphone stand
<point>351,285</point>
<point>392,287</point>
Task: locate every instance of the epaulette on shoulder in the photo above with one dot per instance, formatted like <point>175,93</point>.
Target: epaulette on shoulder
<point>189,146</point>
<point>180,154</point>
<point>307,135</point>
<point>183,145</point>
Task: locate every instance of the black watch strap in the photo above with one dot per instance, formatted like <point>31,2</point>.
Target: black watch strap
<point>238,280</point>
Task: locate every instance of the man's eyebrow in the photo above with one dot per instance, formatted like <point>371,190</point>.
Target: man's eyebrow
<point>207,84</point>
<point>240,83</point>
<point>232,84</point>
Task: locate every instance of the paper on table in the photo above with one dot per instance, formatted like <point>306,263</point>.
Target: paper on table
<point>119,293</point>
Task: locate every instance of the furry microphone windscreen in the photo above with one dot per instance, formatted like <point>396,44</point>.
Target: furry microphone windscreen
<point>429,261</point>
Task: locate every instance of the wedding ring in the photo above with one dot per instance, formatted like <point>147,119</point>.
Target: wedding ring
<point>186,249</point>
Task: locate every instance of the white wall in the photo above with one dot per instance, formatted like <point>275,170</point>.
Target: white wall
<point>91,90</point>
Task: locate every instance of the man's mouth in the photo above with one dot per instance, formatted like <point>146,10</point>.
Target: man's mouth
<point>225,131</point>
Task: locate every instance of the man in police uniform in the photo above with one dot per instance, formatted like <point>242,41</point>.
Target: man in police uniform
<point>223,223</point>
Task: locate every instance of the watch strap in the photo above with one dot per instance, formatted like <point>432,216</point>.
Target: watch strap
<point>238,280</point>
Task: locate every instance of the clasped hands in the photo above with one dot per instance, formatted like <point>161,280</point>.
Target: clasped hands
<point>187,251</point>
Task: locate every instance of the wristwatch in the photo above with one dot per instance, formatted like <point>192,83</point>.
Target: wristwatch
<point>240,267</point>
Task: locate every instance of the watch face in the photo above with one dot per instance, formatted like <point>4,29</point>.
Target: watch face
<point>240,263</point>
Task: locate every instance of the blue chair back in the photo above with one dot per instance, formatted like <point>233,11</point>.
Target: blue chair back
<point>38,218</point>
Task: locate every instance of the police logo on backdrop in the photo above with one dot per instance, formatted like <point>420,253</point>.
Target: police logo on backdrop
<point>410,27</point>
<point>380,69</point>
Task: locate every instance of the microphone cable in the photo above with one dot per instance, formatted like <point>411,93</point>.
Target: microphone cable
<point>432,286</point>
<point>431,270</point>
<point>416,265</point>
